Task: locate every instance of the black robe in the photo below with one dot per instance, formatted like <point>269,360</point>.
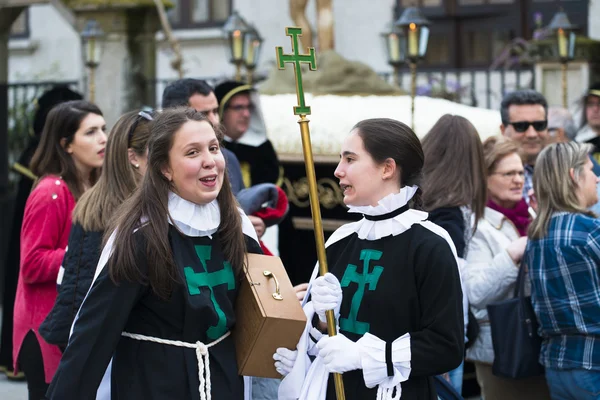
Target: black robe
<point>414,287</point>
<point>152,371</point>
<point>259,162</point>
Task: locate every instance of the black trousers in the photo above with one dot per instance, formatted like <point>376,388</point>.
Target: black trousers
<point>32,364</point>
<point>11,277</point>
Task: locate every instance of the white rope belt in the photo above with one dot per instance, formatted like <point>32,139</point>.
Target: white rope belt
<point>201,355</point>
<point>388,393</point>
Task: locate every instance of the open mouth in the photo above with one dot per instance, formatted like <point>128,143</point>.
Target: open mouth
<point>209,180</point>
<point>101,153</point>
<point>345,187</point>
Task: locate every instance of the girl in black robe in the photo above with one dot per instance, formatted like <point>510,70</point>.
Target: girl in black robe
<point>393,284</point>
<point>161,304</point>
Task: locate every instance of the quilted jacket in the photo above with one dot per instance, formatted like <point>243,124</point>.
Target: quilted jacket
<point>74,280</point>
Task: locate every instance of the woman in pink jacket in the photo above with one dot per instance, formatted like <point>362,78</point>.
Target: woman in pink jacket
<point>67,162</point>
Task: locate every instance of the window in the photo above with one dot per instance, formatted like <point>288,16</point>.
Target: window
<point>577,11</point>
<point>469,33</point>
<point>473,33</point>
<point>439,47</point>
<point>20,28</point>
<point>483,39</point>
<point>199,13</point>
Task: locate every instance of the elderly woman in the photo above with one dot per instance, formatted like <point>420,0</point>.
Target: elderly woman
<point>493,261</point>
<point>563,257</point>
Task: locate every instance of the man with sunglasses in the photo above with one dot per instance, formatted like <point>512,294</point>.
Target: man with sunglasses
<point>524,115</point>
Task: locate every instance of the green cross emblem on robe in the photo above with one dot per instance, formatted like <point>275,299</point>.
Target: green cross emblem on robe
<point>198,280</point>
<point>364,279</point>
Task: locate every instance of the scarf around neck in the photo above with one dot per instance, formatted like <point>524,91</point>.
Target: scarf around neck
<point>518,215</point>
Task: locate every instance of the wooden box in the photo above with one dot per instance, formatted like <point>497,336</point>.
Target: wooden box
<point>265,319</point>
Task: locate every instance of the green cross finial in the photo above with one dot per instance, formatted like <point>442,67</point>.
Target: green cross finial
<point>296,59</point>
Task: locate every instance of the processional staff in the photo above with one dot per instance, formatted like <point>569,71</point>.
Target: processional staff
<point>303,110</point>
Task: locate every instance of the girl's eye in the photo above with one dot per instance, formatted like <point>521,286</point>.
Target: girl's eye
<point>192,152</point>
<point>348,159</point>
<point>214,148</point>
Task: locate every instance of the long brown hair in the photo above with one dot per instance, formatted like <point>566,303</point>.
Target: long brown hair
<point>50,158</point>
<point>454,172</point>
<point>554,188</point>
<point>119,178</point>
<point>385,138</point>
<point>150,202</point>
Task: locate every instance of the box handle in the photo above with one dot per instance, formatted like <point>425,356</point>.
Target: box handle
<point>277,294</point>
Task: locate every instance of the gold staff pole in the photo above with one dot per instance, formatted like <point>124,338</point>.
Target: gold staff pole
<point>564,85</point>
<point>413,92</point>
<point>302,110</point>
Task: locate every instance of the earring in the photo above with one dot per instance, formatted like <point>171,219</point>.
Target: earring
<point>136,165</point>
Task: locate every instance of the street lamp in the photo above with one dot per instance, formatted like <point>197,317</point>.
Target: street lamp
<point>236,29</point>
<point>252,51</point>
<point>565,43</point>
<point>416,35</point>
<point>91,36</point>
<point>393,41</point>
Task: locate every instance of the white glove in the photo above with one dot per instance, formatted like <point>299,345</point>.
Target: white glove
<point>284,360</point>
<point>326,294</point>
<point>340,354</point>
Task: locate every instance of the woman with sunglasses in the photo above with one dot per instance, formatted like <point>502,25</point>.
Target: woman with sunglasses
<point>126,159</point>
<point>493,261</point>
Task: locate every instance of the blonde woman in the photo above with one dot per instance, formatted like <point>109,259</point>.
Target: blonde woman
<point>563,257</point>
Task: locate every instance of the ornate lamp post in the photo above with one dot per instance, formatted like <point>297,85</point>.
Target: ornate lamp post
<point>236,29</point>
<point>565,46</point>
<point>393,40</point>
<point>252,51</point>
<point>416,35</point>
<point>91,36</point>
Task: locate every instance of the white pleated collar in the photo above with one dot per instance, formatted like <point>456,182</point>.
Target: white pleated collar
<point>374,230</point>
<point>194,219</point>
<point>389,203</point>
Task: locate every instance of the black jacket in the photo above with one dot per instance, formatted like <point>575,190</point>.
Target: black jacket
<point>81,259</point>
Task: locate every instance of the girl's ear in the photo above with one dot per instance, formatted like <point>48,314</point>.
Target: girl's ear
<point>389,169</point>
<point>168,173</point>
<point>65,146</point>
<point>133,159</point>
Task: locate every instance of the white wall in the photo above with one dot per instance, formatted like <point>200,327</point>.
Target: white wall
<point>594,20</point>
<point>52,51</point>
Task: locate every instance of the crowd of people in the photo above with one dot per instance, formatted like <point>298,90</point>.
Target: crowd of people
<point>106,291</point>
